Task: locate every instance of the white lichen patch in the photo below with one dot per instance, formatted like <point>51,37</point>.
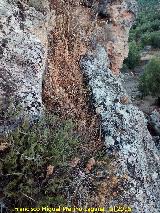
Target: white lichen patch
<point>126,136</point>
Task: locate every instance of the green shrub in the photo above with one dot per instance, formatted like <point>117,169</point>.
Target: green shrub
<point>124,68</point>
<point>132,36</point>
<point>152,39</point>
<point>148,21</point>
<point>150,81</point>
<point>134,55</point>
<point>155,39</point>
<point>33,148</point>
<point>146,39</point>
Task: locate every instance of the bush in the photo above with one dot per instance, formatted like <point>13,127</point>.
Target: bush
<point>132,35</point>
<point>147,26</point>
<point>155,39</point>
<point>34,166</point>
<point>134,55</point>
<point>124,68</point>
<point>150,81</point>
<point>146,39</point>
<point>152,39</point>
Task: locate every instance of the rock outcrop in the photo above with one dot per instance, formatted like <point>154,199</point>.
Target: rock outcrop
<point>154,121</point>
<point>23,53</point>
<point>126,138</point>
<point>86,47</point>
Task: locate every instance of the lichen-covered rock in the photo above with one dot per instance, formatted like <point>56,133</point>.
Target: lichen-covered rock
<point>96,34</point>
<point>85,52</point>
<point>80,26</point>
<point>154,120</point>
<point>126,138</point>
<point>23,53</point>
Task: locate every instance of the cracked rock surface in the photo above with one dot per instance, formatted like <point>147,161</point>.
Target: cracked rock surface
<point>86,49</point>
<point>23,53</point>
<point>126,137</point>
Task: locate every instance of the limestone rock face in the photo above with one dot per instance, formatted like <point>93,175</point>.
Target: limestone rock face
<point>23,53</point>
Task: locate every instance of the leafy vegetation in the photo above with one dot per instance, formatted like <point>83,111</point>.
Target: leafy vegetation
<point>146,31</point>
<point>34,169</point>
<point>134,55</point>
<point>150,80</point>
<point>152,39</point>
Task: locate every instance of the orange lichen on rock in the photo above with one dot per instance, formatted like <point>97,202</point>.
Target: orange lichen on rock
<point>77,31</point>
<point>65,91</point>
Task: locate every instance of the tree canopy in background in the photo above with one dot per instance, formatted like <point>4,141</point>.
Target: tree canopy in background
<point>150,80</point>
<point>133,56</point>
<point>147,23</point>
<point>145,31</point>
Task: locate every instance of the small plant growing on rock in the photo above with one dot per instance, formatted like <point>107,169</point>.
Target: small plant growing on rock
<point>33,167</point>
